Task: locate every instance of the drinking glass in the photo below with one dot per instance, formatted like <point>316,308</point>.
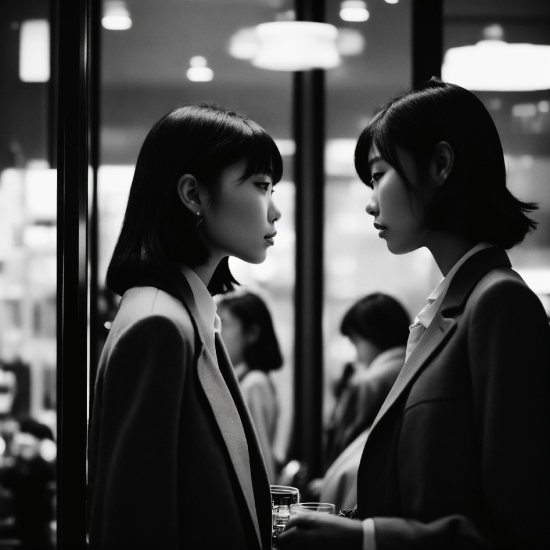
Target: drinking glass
<point>282,498</point>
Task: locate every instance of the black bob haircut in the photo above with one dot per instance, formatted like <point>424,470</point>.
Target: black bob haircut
<point>263,354</point>
<point>378,318</point>
<point>474,201</point>
<point>159,234</point>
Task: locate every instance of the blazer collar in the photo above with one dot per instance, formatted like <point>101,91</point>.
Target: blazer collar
<point>444,323</point>
<point>179,287</point>
<point>469,275</point>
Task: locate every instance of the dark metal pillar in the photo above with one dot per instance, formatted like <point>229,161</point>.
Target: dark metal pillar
<point>73,27</point>
<point>94,244</point>
<point>427,39</point>
<point>309,135</point>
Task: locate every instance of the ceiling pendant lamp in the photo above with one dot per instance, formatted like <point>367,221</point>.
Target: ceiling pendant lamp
<point>495,65</point>
<point>296,46</point>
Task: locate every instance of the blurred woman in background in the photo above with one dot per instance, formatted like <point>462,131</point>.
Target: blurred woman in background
<point>251,342</point>
<point>378,327</point>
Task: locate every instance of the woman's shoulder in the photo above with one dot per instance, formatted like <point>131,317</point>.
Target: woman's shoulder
<point>150,305</point>
<point>502,293</point>
<point>499,284</point>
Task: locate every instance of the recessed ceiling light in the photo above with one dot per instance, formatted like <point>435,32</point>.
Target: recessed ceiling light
<point>34,51</point>
<point>354,11</point>
<point>199,70</point>
<point>116,16</point>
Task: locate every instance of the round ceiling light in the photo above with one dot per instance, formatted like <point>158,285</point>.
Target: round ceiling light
<point>296,46</point>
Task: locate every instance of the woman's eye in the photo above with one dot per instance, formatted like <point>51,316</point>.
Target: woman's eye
<point>264,185</point>
<point>375,178</point>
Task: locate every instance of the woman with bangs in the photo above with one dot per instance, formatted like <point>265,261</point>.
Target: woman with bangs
<point>174,461</point>
<point>458,456</point>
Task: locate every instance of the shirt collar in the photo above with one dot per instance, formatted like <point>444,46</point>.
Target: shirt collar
<point>426,316</point>
<point>203,298</point>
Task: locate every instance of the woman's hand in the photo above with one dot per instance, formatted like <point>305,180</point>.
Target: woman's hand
<point>318,531</point>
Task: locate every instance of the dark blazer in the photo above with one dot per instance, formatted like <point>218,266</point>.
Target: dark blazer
<point>459,455</point>
<point>166,471</point>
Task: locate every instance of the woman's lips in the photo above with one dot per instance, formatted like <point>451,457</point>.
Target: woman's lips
<point>271,238</point>
<point>381,229</point>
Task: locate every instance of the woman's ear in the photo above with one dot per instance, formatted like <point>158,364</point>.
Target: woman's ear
<point>442,162</point>
<point>189,193</point>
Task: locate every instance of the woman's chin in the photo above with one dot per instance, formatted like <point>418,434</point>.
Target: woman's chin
<point>399,249</point>
<point>255,258</point>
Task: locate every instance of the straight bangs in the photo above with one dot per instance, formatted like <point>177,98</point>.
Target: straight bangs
<point>239,138</point>
<point>261,153</point>
<point>378,134</point>
<point>391,132</point>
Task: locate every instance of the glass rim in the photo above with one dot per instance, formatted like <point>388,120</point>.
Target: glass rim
<point>306,505</point>
<point>284,489</point>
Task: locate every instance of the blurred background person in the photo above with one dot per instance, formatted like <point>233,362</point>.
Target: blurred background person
<point>378,327</point>
<point>250,339</point>
<point>30,480</point>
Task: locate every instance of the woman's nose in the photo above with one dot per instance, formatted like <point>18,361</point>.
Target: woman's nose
<point>372,206</point>
<point>274,213</point>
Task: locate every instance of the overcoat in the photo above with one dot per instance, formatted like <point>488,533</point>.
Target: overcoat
<point>459,455</point>
<point>168,467</point>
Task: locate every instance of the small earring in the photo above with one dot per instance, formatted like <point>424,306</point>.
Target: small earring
<point>200,219</point>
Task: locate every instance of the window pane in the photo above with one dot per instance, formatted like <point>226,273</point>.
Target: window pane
<point>522,117</point>
<point>28,202</point>
<point>357,262</point>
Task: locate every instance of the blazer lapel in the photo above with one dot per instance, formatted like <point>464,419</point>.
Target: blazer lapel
<point>435,336</point>
<point>221,401</point>
<point>444,323</point>
<point>231,428</point>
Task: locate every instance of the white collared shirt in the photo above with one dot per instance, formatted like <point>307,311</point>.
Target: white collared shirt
<point>425,317</point>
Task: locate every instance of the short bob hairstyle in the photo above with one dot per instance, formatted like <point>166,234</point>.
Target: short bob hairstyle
<point>378,318</point>
<point>263,354</point>
<point>474,201</point>
<point>158,233</point>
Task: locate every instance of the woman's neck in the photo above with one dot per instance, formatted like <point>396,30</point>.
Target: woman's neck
<point>205,272</point>
<point>447,249</point>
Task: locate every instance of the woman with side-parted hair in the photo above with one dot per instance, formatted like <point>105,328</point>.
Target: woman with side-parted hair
<point>252,345</point>
<point>174,462</point>
<point>457,458</point>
